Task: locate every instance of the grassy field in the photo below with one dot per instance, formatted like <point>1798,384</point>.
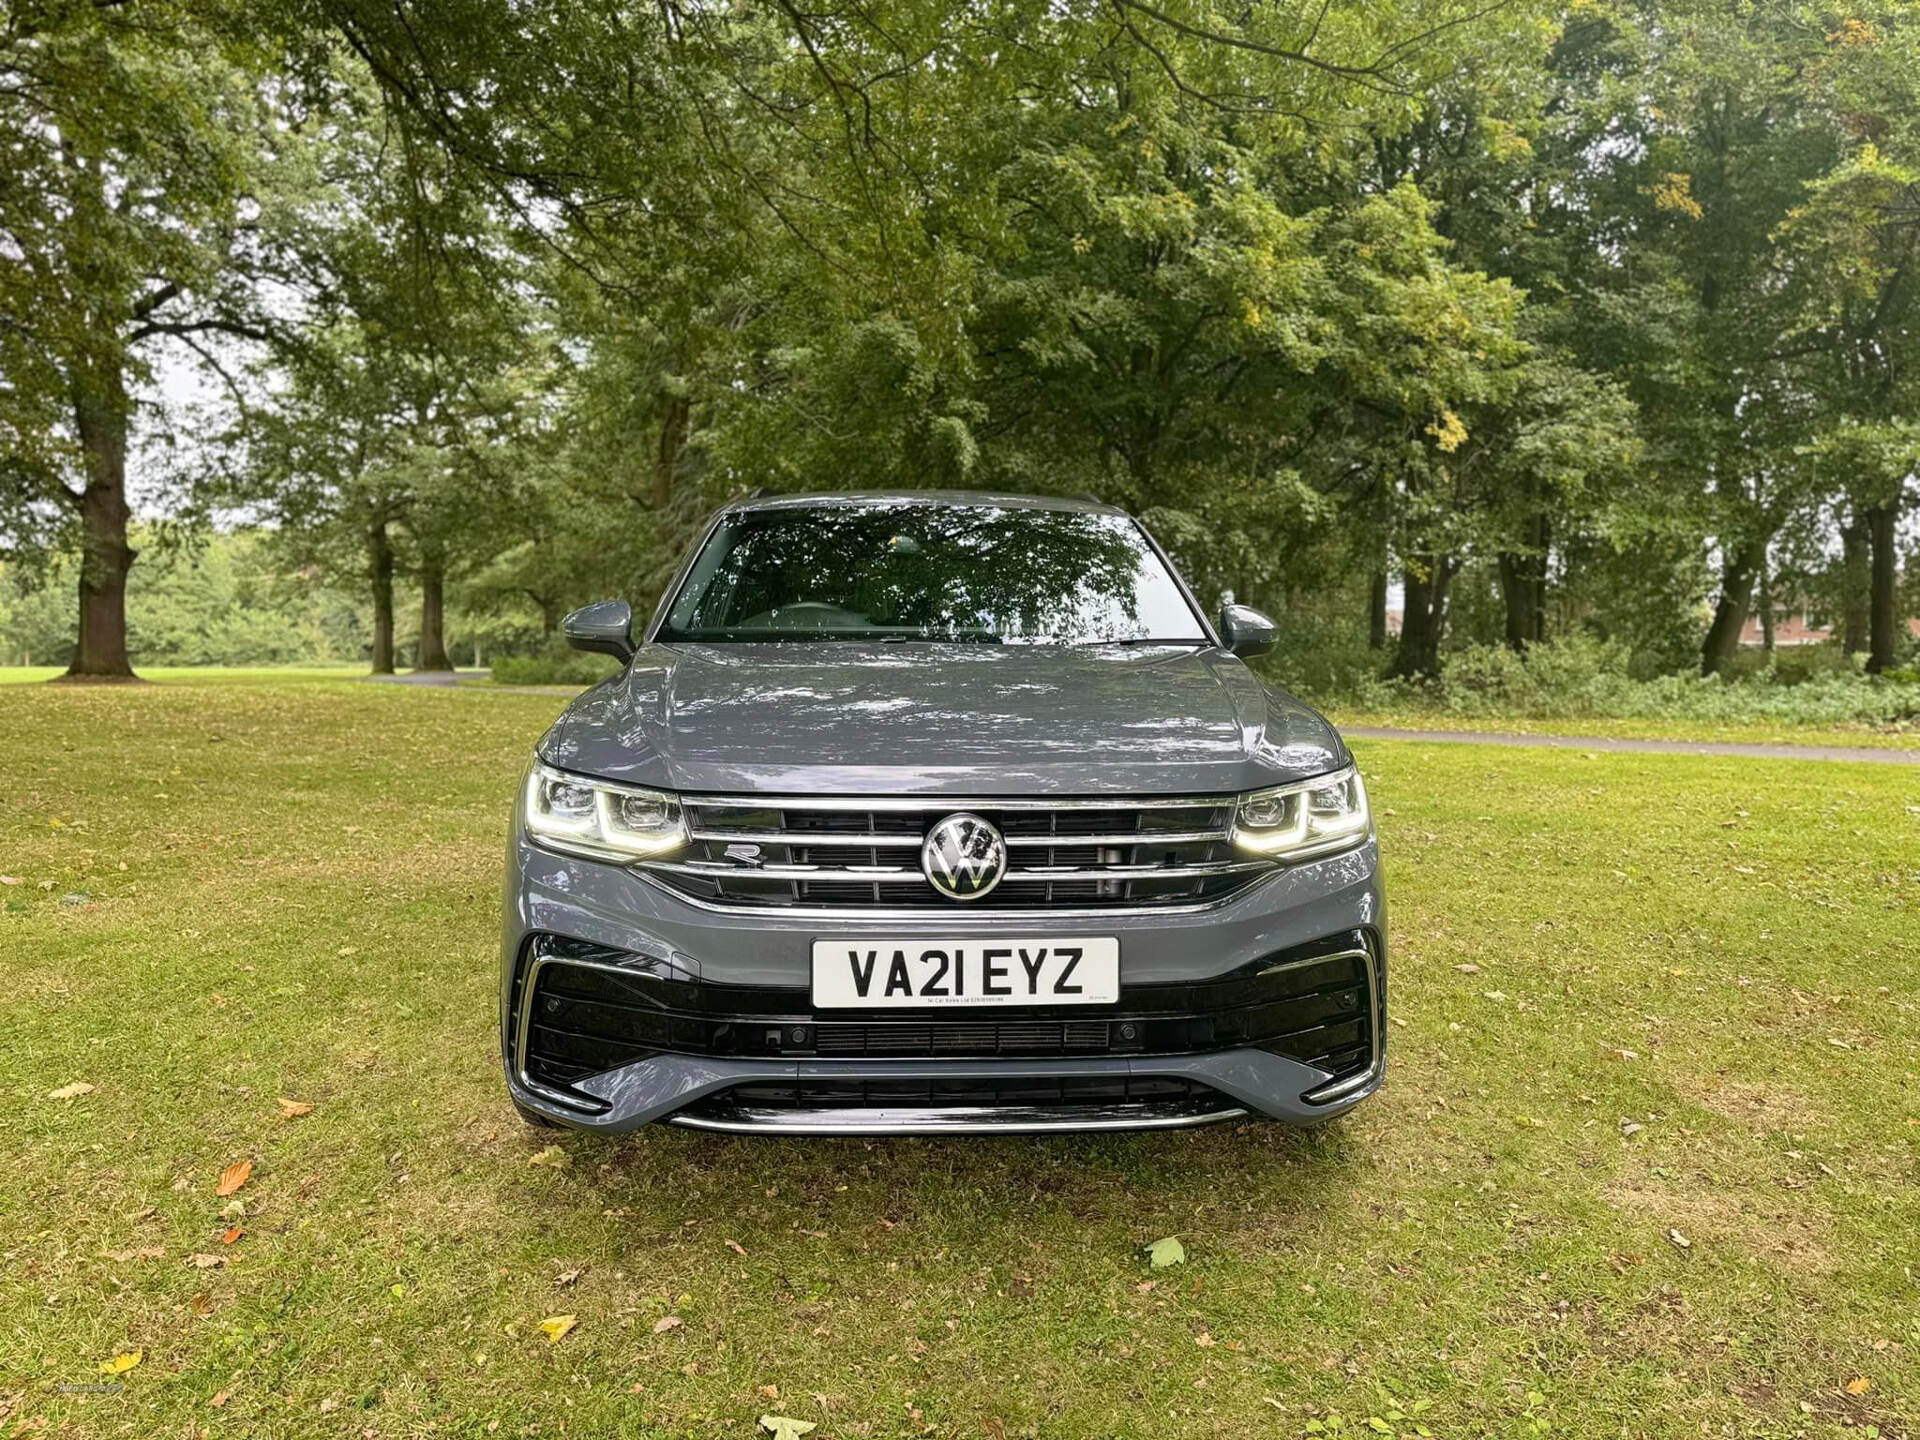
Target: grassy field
<point>1647,1163</point>
<point>200,674</point>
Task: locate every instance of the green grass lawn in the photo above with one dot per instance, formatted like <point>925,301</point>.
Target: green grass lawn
<point>199,674</point>
<point>1647,1162</point>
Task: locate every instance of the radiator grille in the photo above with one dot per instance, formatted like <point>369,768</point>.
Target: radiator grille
<point>754,853</point>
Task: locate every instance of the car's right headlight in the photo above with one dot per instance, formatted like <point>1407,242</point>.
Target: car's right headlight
<point>600,819</point>
<point>1303,821</point>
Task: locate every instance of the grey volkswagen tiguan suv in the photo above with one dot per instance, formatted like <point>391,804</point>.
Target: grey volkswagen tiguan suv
<point>919,812</point>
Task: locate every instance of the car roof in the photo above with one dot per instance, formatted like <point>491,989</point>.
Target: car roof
<point>1082,503</point>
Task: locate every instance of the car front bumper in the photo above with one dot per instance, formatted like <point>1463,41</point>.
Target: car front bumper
<point>708,1022</point>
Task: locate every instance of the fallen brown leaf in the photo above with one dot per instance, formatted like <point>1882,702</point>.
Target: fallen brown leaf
<point>1859,1385</point>
<point>200,1260</point>
<point>218,1400</point>
<point>71,1092</point>
<point>736,1247</point>
<point>666,1323</point>
<point>234,1176</point>
<point>232,1233</point>
<point>293,1109</point>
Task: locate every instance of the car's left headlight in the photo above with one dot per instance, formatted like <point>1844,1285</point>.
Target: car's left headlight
<point>600,819</point>
<point>1305,820</point>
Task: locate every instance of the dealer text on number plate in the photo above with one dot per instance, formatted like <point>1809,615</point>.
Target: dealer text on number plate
<point>865,973</point>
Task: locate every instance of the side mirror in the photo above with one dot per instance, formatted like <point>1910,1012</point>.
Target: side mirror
<point>1246,631</point>
<point>605,628</point>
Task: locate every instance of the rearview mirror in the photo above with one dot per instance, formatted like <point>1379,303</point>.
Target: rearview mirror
<point>1246,631</point>
<point>605,628</point>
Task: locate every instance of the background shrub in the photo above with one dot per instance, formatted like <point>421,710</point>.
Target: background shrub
<point>555,665</point>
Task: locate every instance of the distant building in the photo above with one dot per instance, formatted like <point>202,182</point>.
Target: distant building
<point>1794,628</point>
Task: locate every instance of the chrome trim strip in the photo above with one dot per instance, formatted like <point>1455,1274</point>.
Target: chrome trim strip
<point>1167,837</point>
<point>717,870</point>
<point>802,837</point>
<point>972,1120</point>
<point>901,875</point>
<point>1376,1003</point>
<point>1195,870</point>
<point>940,917</point>
<point>807,838</point>
<point>1282,968</point>
<point>961,802</point>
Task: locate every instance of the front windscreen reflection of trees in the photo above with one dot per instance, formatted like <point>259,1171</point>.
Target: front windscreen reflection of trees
<point>941,572</point>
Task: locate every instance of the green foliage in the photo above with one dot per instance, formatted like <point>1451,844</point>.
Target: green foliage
<point>1582,678</point>
<point>1597,317</point>
<point>553,665</point>
<point>224,601</point>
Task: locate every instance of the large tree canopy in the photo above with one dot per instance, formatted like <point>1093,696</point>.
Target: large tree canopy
<point>1608,305</point>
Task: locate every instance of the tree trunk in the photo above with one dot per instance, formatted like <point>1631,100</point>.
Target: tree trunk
<point>1424,620</point>
<point>1523,587</point>
<point>380,568</point>
<point>1766,609</point>
<point>433,640</point>
<point>1883,603</point>
<point>1853,583</point>
<point>1737,575</point>
<point>1377,610</point>
<point>675,423</point>
<point>100,419</point>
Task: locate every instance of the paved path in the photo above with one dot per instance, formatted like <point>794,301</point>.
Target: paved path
<point>452,679</point>
<point>1645,747</point>
<point>428,677</point>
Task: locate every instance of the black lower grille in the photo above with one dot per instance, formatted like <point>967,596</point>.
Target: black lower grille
<point>593,1010</point>
<point>1025,1090</point>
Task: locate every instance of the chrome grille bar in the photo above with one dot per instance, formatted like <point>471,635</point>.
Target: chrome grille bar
<point>900,875</point>
<point>828,837</point>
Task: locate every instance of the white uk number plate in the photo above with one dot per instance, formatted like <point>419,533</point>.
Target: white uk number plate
<point>871,974</point>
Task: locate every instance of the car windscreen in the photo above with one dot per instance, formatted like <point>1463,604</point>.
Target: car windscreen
<point>912,570</point>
